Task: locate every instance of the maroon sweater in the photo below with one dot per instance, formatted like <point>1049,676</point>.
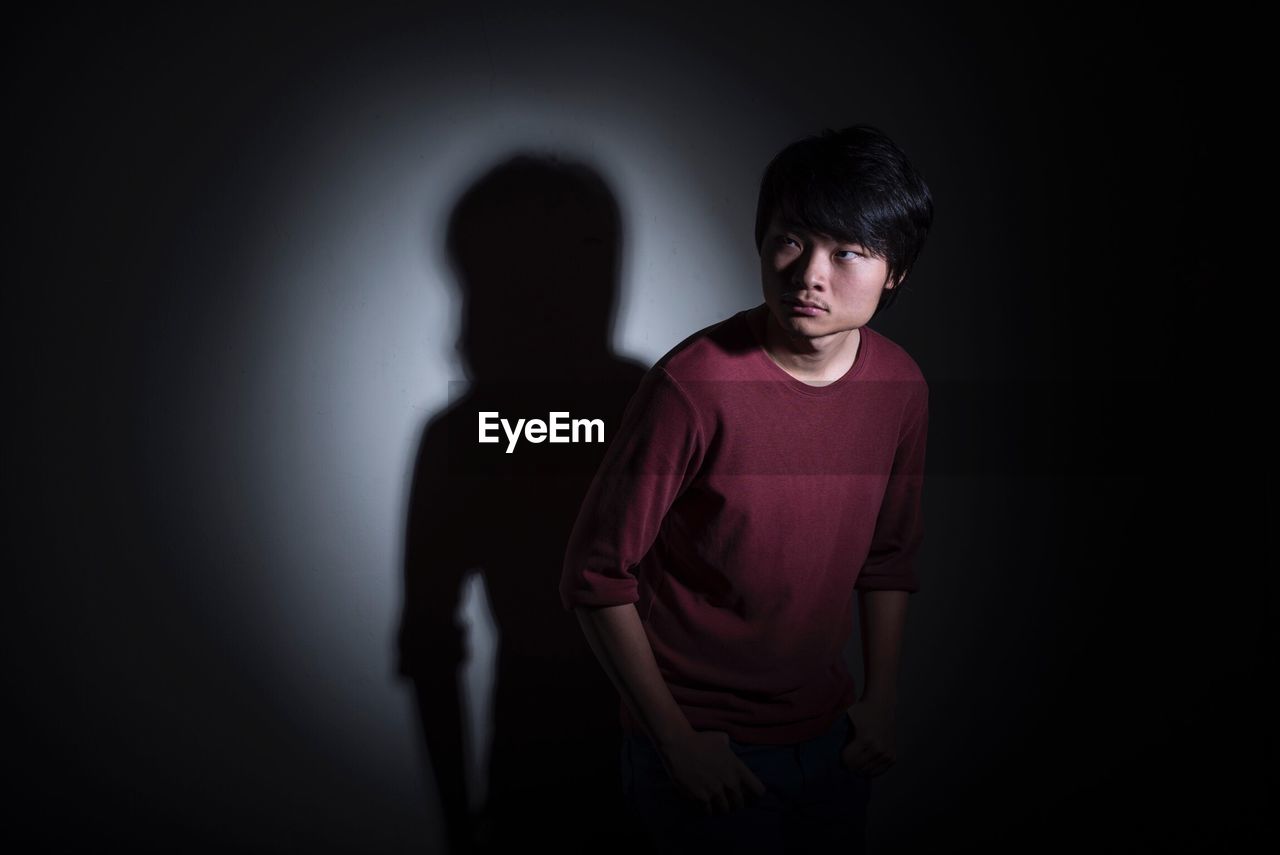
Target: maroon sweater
<point>739,509</point>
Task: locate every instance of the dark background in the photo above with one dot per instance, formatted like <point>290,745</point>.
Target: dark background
<point>1083,663</point>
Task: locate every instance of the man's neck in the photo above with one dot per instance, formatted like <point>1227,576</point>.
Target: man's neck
<point>816,361</point>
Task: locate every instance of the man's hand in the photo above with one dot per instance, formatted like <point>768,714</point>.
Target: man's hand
<point>870,750</point>
<point>705,770</point>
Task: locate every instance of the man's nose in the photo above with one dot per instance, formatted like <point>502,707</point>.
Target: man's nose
<point>809,271</point>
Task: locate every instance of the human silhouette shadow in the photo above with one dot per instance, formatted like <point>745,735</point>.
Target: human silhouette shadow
<point>534,246</point>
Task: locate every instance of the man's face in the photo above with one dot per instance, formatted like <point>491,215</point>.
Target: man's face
<point>841,282</point>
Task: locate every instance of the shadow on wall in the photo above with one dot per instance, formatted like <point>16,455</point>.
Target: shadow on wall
<point>535,249</point>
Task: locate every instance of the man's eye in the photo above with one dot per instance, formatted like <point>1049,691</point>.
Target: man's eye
<point>787,239</point>
<point>852,252</point>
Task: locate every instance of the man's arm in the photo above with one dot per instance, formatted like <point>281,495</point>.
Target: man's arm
<point>882,616</point>
<point>700,763</point>
<point>888,577</point>
<point>656,453</point>
<point>619,642</point>
<point>654,456</point>
<point>651,460</point>
<point>885,583</point>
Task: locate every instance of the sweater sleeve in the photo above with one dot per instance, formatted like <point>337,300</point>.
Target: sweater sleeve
<point>899,530</point>
<point>655,454</point>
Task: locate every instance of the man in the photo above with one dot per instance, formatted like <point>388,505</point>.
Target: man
<point>767,468</point>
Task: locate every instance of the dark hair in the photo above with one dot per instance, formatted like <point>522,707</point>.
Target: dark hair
<point>853,185</point>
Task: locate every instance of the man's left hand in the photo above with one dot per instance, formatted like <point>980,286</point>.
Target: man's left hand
<point>870,751</point>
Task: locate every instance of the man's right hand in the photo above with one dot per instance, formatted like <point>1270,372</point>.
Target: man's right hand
<point>705,770</point>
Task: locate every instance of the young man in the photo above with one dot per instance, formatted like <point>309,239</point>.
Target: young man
<point>767,468</point>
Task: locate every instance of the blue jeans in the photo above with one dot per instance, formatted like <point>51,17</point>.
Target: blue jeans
<point>812,803</point>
